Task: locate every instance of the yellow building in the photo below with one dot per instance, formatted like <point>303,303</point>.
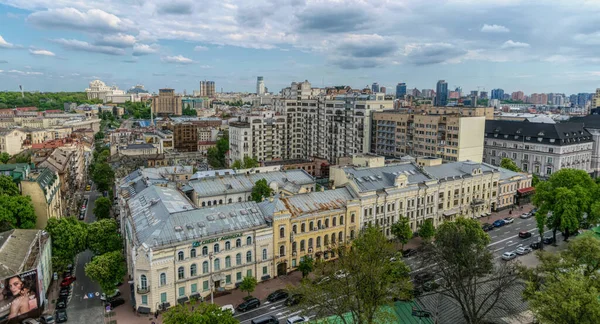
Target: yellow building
<point>513,187</point>
<point>43,186</point>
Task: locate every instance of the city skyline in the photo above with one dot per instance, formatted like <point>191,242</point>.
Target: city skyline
<point>50,46</point>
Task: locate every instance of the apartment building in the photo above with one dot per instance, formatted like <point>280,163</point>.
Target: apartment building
<point>539,148</point>
<point>450,137</point>
<point>11,141</point>
<point>43,186</point>
<point>260,135</point>
<point>185,137</point>
<point>166,103</point>
<point>514,188</point>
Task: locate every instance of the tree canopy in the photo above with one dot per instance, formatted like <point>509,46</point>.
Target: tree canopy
<point>103,237</point>
<point>68,238</point>
<point>16,211</point>
<point>8,187</point>
<point>203,313</point>
<point>107,269</point>
<point>4,157</point>
<point>306,265</point>
<point>248,284</point>
<point>246,164</point>
<point>103,175</point>
<point>401,230</point>
<point>187,111</point>
<point>510,165</point>
<point>43,100</point>
<point>216,155</point>
<point>102,208</point>
<point>427,230</point>
<point>260,190</point>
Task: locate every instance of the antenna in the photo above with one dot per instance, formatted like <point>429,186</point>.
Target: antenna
<point>22,93</point>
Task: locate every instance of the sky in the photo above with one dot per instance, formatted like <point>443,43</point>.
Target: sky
<point>528,45</point>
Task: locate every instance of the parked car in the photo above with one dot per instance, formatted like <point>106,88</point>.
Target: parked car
<point>535,245</point>
<point>293,300</point>
<point>522,250</point>
<point>64,292</point>
<point>267,319</point>
<point>61,303</point>
<point>548,240</point>
<point>115,294</point>
<point>524,234</point>
<point>61,316</point>
<point>487,227</point>
<point>30,321</point>
<point>509,220</point>
<point>68,281</point>
<point>525,215</point>
<point>277,295</point>
<point>508,256</point>
<point>47,319</point>
<point>248,305</point>
<point>499,223</point>
<point>115,302</point>
<point>82,215</point>
<point>423,277</point>
<point>228,307</point>
<point>296,319</point>
<point>409,252</point>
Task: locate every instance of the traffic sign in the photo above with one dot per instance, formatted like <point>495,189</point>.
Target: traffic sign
<point>107,308</point>
<point>97,294</point>
<point>90,295</point>
<point>85,297</point>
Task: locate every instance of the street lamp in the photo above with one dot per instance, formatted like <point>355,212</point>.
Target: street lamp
<point>210,257</point>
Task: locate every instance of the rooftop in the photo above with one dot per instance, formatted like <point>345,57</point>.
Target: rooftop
<point>315,202</point>
<point>458,169</point>
<point>15,248</point>
<point>524,131</point>
<point>369,179</point>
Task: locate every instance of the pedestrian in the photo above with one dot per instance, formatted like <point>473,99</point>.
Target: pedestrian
<point>156,315</point>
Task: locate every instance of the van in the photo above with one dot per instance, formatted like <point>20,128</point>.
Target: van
<point>269,319</point>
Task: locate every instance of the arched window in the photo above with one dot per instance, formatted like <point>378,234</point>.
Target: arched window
<point>216,248</point>
<point>333,222</point>
<point>192,253</point>
<point>326,222</point>
<point>311,226</point>
<point>302,228</point>
<point>302,245</point>
<point>238,259</point>
<point>294,247</point>
<point>193,270</point>
<point>240,199</point>
<point>227,245</point>
<point>205,267</point>
<point>227,262</point>
<point>249,198</point>
<point>215,202</point>
<point>319,224</point>
<point>205,250</point>
<point>282,250</point>
<point>143,282</point>
<point>238,243</point>
<point>209,203</point>
<point>163,279</point>
<point>318,241</point>
<point>352,234</point>
<point>217,265</point>
<point>333,238</point>
<point>249,240</point>
<point>264,254</point>
<point>282,232</point>
<point>203,204</point>
<point>180,273</point>
<point>310,243</point>
<point>249,256</point>
<point>352,218</point>
<point>220,201</point>
<point>180,255</point>
<point>295,229</point>
<point>326,240</point>
<point>341,237</point>
<point>341,220</point>
<point>229,201</point>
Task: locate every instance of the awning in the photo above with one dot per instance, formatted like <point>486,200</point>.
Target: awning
<point>526,191</point>
<point>450,213</point>
<point>195,296</point>
<point>182,300</point>
<point>143,310</point>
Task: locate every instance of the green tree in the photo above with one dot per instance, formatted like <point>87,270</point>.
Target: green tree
<point>4,157</point>
<point>187,111</point>
<point>261,189</point>
<point>306,265</point>
<point>17,211</point>
<point>401,230</point>
<point>250,163</point>
<point>103,176</point>
<point>102,208</point>
<point>248,284</point>
<point>510,165</point>
<point>107,269</point>
<point>364,275</point>
<point>540,221</point>
<point>99,136</point>
<point>8,187</point>
<point>23,158</point>
<point>427,230</point>
<point>203,313</point>
<point>69,237</point>
<point>103,237</point>
<point>535,179</point>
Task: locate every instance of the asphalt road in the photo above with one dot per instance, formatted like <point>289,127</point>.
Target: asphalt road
<point>80,309</point>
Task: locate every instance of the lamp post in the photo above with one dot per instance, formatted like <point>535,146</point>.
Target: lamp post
<point>210,257</point>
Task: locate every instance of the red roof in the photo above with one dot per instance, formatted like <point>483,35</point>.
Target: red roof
<point>526,190</point>
<point>54,111</point>
<point>26,109</point>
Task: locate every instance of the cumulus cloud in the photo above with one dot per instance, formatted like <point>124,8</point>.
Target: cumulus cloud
<point>179,59</point>
<point>144,49</point>
<point>24,73</point>
<point>494,29</point>
<point>41,52</point>
<point>77,45</point>
<point>367,46</point>
<point>93,20</point>
<point>5,44</point>
<point>432,53</point>
<point>176,8</point>
<point>116,40</point>
<point>200,48</point>
<point>512,44</point>
<point>332,19</point>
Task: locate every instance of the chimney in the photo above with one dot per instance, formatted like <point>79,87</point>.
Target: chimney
<point>332,187</point>
<point>322,189</point>
<point>271,199</point>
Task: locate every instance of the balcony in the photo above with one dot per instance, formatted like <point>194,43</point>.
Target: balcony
<point>143,291</point>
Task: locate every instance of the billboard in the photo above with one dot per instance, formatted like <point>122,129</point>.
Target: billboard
<point>20,297</point>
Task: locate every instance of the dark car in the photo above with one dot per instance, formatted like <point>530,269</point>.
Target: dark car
<point>524,234</point>
<point>64,292</point>
<point>82,215</point>
<point>248,305</point>
<point>47,319</point>
<point>548,240</point>
<point>61,303</point>
<point>535,245</point>
<point>61,316</point>
<point>115,302</point>
<point>409,252</point>
<point>293,300</point>
<point>278,295</point>
<point>499,223</point>
<point>487,227</point>
<point>268,319</point>
<point>423,277</point>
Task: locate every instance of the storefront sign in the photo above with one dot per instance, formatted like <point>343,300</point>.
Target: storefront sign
<point>216,239</point>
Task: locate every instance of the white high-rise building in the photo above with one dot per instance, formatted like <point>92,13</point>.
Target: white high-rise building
<point>260,86</point>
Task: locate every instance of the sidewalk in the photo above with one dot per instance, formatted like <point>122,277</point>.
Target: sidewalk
<point>52,297</point>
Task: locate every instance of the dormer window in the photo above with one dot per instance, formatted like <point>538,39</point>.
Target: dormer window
<point>528,138</point>
<point>505,136</point>
<point>519,131</point>
<point>552,140</point>
<point>541,134</point>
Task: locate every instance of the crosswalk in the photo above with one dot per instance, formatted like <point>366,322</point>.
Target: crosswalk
<point>277,309</point>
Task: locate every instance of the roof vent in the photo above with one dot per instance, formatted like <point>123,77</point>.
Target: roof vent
<point>254,210</point>
<point>222,216</point>
<point>201,224</point>
<point>178,228</point>
<point>210,217</point>
<point>232,214</point>
<point>243,212</point>
<point>189,226</point>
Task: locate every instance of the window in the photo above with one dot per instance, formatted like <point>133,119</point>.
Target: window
<point>281,232</point>
<point>249,240</point>
<point>205,285</point>
<point>238,243</point>
<point>311,226</point>
<point>227,262</point>
<point>238,276</point>
<point>352,218</point>
<point>352,234</point>
<point>192,253</point>
<point>194,288</point>
<point>217,265</point>
<point>163,279</point>
<point>264,254</point>
<point>303,228</point>
<point>249,256</point>
<point>549,160</point>
<point>249,273</point>
<point>163,297</point>
<point>318,241</point>
<point>326,240</point>
<point>548,171</point>
<point>327,223</point>
<point>310,243</point>
<point>282,250</point>
<point>238,259</point>
<point>143,282</point>
<point>265,271</point>
<point>302,245</point>
<point>333,222</point>
<point>319,224</point>
<point>341,237</point>
<point>205,267</point>
<point>205,250</point>
<point>193,270</point>
<point>341,220</point>
<point>294,229</point>
<point>227,245</point>
<point>216,248</point>
<point>144,299</point>
<point>181,291</point>
<point>240,199</point>
<point>228,279</point>
<point>180,255</point>
<point>333,238</point>
<point>180,273</point>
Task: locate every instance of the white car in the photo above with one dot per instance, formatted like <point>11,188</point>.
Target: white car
<point>228,307</point>
<point>508,256</point>
<point>509,220</point>
<point>297,319</point>
<point>523,250</point>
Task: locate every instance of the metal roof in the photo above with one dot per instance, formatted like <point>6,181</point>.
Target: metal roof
<point>457,169</point>
<point>369,179</point>
<point>317,201</point>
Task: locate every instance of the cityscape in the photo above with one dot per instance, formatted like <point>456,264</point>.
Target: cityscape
<point>173,163</point>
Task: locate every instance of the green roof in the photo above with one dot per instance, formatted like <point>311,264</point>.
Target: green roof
<point>401,310</point>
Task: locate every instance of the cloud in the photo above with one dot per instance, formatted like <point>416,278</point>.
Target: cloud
<point>332,19</point>
<point>24,72</point>
<point>3,61</point>
<point>41,52</point>
<point>200,48</point>
<point>132,60</point>
<point>432,53</point>
<point>116,40</point>
<point>494,29</point>
<point>176,8</point>
<point>367,46</point>
<point>70,18</point>
<point>179,59</point>
<point>144,49</point>
<point>77,45</point>
<point>512,44</point>
<point>158,74</point>
<point>5,44</point>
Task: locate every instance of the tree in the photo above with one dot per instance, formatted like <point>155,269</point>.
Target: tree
<point>107,269</point>
<point>535,179</point>
<point>202,313</point>
<point>250,163</point>
<point>364,275</point>
<point>248,284</point>
<point>23,158</point>
<point>306,265</point>
<point>216,155</point>
<point>401,230</point>
<point>17,211</point>
<point>187,111</point>
<point>102,208</point>
<point>466,267</point>
<point>68,238</point>
<point>8,187</point>
<point>261,189</point>
<point>103,175</point>
<point>541,220</point>
<point>4,157</point>
<point>510,165</point>
<point>237,165</point>
<point>563,288</point>
<point>103,237</point>
<point>427,230</point>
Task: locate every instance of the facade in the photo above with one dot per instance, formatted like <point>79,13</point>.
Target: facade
<point>260,86</point>
<point>517,96</point>
<point>513,188</point>
<point>596,99</point>
<point>99,90</point>
<point>497,94</point>
<point>400,90</point>
<point>166,103</point>
<point>43,186</point>
<point>441,93</point>
<point>207,89</point>
<point>450,137</point>
<point>69,164</point>
<point>375,87</point>
<point>11,141</point>
<point>185,137</point>
<point>538,148</point>
<point>591,123</point>
<point>316,167</point>
<point>260,135</point>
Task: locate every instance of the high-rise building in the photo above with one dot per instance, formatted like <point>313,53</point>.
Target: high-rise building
<point>260,135</point>
<point>441,91</point>
<point>375,87</point>
<point>400,90</point>
<point>517,96</point>
<point>166,103</point>
<point>459,90</point>
<point>596,99</point>
<point>483,95</point>
<point>416,93</point>
<point>498,94</point>
<point>427,93</point>
<point>582,99</point>
<point>260,86</point>
<point>474,93</point>
<point>207,89</point>
<point>383,90</point>
<point>506,96</point>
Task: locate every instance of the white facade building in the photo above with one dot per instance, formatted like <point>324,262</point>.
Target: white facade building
<point>260,135</point>
<point>99,90</point>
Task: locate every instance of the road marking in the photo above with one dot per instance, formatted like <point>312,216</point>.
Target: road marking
<point>498,249</point>
<point>512,237</point>
<point>494,236</point>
